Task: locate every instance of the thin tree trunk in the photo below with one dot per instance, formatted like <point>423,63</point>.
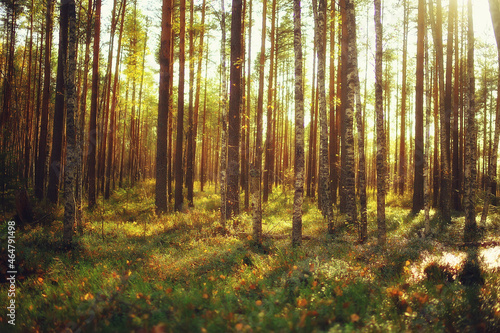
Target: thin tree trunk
<point>402,135</point>
<point>92,135</point>
<point>58,127</point>
<point>349,161</point>
<point>163,109</point>
<point>233,149</point>
<point>268,165</point>
<point>256,168</point>
<point>71,127</point>
<point>299,129</point>
<point>40,167</point>
<point>179,170</point>
<point>324,175</point>
<point>381,145</point>
<point>223,145</point>
<point>190,130</point>
<point>470,227</point>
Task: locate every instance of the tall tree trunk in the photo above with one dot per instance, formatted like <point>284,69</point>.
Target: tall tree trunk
<point>179,170</point>
<point>40,167</point>
<point>427,144</point>
<point>92,135</point>
<point>418,158</point>
<point>58,128</point>
<point>82,111</point>
<point>268,165</point>
<point>114,102</point>
<point>402,135</point>
<point>363,216</point>
<point>346,178</point>
<point>29,111</point>
<point>163,109</point>
<point>491,182</point>
<point>71,126</point>
<point>198,84</point>
<point>256,169</point>
<point>248,100</point>
<point>470,227</point>
<point>223,145</point>
<point>190,130</point>
<point>333,104</point>
<point>299,128</point>
<point>445,193</point>
<point>233,150</point>
<point>349,163</point>
<point>324,176</point>
<point>381,145</point>
<point>456,167</point>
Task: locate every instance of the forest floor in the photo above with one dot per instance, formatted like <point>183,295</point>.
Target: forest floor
<point>132,271</point>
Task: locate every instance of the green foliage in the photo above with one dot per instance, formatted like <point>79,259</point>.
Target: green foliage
<point>134,271</point>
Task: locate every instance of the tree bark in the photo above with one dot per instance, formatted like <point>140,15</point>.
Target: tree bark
<point>58,127</point>
<point>233,149</point>
<point>325,203</point>
<point>40,167</point>
<point>223,145</point>
<point>418,157</point>
<point>349,164</point>
<point>470,227</point>
<point>71,126</point>
<point>92,135</point>
<point>269,156</point>
<point>179,170</point>
<point>381,145</point>
<point>163,109</point>
<point>256,168</point>
<point>299,128</point>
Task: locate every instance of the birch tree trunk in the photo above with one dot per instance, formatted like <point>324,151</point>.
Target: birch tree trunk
<point>324,176</point>
<point>348,165</point>
<point>299,128</point>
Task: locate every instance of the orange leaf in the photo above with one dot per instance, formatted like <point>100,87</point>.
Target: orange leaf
<point>354,317</point>
<point>258,302</point>
<point>40,279</point>
<point>239,326</point>
<point>160,328</point>
<point>205,296</point>
<point>301,302</point>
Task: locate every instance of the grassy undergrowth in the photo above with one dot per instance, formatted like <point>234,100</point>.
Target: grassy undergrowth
<point>133,271</point>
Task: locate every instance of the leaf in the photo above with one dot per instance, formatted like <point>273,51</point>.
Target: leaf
<point>258,302</point>
<point>160,328</point>
<point>239,327</point>
<point>439,287</point>
<point>354,318</point>
<point>301,302</point>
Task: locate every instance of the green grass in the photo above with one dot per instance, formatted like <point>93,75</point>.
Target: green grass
<point>134,271</point>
